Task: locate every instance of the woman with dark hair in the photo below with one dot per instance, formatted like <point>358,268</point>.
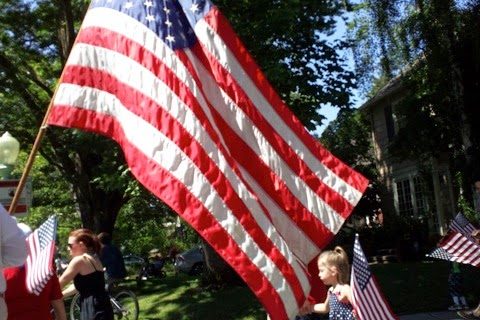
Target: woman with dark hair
<point>86,271</point>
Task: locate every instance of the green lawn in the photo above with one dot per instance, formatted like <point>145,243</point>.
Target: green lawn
<point>180,297</point>
<point>409,287</point>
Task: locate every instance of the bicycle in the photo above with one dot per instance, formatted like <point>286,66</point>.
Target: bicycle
<point>124,305</point>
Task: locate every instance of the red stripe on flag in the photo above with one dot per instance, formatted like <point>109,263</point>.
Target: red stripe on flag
<point>21,208</point>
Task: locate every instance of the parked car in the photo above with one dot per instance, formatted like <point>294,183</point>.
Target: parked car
<point>191,261</point>
<point>133,263</point>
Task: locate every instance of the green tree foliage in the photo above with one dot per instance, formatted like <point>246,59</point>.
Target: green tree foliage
<point>286,37</point>
<point>348,137</point>
<point>436,44</point>
<point>35,38</point>
<point>52,195</point>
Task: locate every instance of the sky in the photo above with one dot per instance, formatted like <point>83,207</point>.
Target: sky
<point>328,111</point>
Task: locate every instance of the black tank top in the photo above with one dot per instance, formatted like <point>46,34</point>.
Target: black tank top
<point>90,284</point>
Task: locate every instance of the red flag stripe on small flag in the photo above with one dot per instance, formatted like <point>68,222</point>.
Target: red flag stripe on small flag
<point>204,131</point>
<point>368,300</point>
<point>41,250</point>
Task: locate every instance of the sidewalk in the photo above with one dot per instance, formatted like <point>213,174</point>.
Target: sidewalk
<point>439,315</point>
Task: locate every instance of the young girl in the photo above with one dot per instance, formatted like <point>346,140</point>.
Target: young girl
<point>334,271</point>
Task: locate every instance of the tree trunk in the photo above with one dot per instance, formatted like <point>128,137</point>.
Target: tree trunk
<point>215,264</point>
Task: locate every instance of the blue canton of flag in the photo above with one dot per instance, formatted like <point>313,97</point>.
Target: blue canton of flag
<point>41,250</point>
<point>461,224</point>
<point>47,232</point>
<point>171,20</point>
<point>360,265</point>
<point>440,253</point>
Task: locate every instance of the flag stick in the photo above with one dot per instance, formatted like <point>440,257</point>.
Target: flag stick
<point>31,159</point>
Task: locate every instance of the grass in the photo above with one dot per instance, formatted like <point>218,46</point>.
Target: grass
<point>180,297</point>
<point>409,287</point>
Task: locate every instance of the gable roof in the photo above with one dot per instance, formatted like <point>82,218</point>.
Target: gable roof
<point>393,86</point>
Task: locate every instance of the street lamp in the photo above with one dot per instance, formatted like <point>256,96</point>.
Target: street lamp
<point>9,148</point>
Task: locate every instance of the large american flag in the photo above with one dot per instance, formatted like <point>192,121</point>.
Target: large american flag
<point>368,301</point>
<point>203,130</point>
<point>41,251</point>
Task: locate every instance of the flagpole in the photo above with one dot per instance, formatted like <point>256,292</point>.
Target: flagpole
<point>31,157</point>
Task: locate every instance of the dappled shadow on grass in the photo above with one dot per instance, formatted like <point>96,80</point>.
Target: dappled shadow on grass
<point>180,297</point>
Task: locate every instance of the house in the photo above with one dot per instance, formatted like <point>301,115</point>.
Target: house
<point>411,189</point>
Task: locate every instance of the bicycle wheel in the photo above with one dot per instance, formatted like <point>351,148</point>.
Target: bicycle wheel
<point>125,305</point>
<point>75,307</point>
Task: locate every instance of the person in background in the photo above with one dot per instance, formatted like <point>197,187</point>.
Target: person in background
<point>13,252</point>
<point>86,271</point>
<point>475,313</point>
<point>111,258</point>
<point>23,305</point>
<point>334,271</point>
<point>455,288</point>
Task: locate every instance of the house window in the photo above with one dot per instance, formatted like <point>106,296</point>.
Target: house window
<point>420,199</point>
<point>389,122</point>
<point>411,199</point>
<point>404,194</point>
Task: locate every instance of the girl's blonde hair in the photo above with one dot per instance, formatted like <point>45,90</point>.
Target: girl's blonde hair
<point>337,258</point>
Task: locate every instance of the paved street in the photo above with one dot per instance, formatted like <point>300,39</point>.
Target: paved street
<point>442,315</point>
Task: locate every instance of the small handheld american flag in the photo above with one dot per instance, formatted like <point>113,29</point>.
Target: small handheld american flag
<point>368,300</point>
<point>41,250</point>
<point>458,244</point>
<point>461,224</point>
<point>461,248</point>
